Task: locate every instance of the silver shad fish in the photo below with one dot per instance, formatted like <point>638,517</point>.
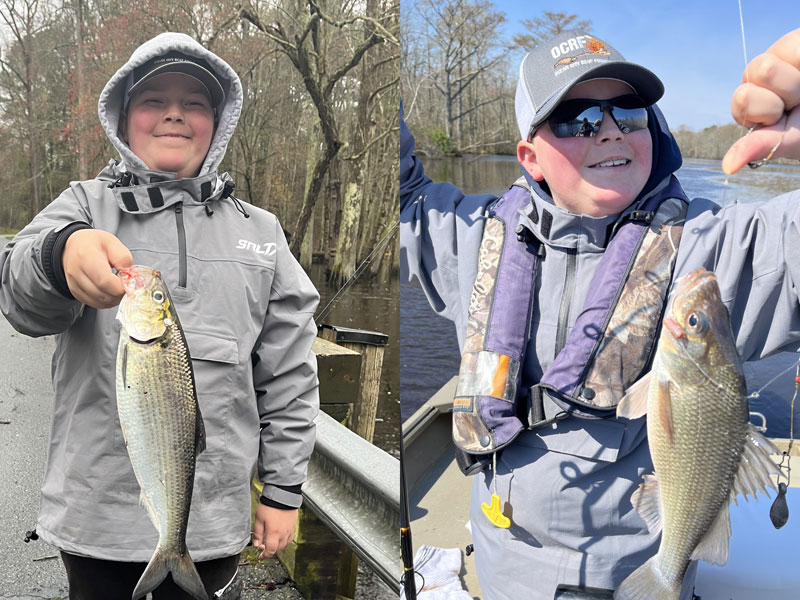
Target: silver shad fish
<point>704,450</point>
<point>160,421</point>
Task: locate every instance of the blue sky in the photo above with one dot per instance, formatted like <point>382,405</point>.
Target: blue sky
<point>695,47</point>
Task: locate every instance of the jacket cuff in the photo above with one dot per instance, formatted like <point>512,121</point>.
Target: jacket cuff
<point>52,253</point>
<point>286,497</point>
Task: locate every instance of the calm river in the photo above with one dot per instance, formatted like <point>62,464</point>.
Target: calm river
<point>429,352</point>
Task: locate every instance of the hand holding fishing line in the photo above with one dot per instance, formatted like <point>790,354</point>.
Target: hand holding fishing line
<point>769,99</point>
<point>89,255</point>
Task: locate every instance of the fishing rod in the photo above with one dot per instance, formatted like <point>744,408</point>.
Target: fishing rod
<point>319,316</point>
<point>406,547</point>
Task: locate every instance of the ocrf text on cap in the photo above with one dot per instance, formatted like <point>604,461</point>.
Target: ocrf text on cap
<point>570,45</point>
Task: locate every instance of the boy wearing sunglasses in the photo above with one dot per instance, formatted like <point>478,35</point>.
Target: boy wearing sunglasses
<point>594,233</point>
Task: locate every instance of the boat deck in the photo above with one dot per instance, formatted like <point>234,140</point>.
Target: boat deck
<point>438,493</point>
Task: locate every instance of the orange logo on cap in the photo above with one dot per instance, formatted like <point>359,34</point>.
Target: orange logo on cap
<point>593,45</point>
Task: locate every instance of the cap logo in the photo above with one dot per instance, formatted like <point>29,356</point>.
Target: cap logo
<point>585,45</point>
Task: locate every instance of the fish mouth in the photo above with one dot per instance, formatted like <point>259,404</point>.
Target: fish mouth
<point>145,342</point>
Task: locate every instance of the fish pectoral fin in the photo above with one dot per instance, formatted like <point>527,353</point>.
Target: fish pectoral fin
<point>124,367</point>
<point>647,502</point>
<point>713,547</point>
<point>664,404</point>
<point>200,434</point>
<point>634,404</point>
<point>756,468</point>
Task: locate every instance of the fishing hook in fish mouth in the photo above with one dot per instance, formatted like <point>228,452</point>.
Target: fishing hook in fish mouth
<point>754,164</point>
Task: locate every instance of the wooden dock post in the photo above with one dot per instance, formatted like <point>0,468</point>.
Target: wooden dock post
<point>371,346</point>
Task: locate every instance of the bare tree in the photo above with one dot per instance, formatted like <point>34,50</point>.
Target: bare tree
<point>299,39</point>
<point>544,27</point>
<point>463,34</point>
<point>24,20</point>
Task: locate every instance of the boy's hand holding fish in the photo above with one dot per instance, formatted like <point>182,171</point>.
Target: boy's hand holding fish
<point>88,259</point>
<point>769,98</point>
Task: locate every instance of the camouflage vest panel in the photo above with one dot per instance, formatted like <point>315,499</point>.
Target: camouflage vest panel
<point>607,350</point>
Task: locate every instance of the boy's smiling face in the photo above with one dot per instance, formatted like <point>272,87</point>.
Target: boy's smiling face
<point>570,166</point>
<point>170,124</point>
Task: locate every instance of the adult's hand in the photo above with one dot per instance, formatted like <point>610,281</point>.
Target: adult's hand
<point>89,255</point>
<point>769,97</point>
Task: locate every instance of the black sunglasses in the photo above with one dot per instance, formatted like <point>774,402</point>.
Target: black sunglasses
<point>582,117</point>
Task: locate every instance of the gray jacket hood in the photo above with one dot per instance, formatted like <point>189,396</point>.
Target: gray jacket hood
<point>112,96</point>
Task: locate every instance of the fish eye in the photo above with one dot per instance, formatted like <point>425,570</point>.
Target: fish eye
<point>158,296</point>
<point>697,322</point>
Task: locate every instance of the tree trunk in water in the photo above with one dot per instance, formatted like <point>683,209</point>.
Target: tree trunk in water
<point>347,246</point>
<point>305,247</point>
<point>317,177</point>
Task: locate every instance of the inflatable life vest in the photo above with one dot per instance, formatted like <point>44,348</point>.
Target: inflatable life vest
<point>607,350</point>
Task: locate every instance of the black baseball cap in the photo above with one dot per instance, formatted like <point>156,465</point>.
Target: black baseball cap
<point>553,68</point>
<point>177,62</point>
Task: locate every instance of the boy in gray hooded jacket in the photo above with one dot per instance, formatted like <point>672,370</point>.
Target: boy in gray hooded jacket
<point>596,153</point>
<point>245,304</point>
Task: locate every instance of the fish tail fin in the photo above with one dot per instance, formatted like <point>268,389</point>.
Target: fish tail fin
<point>184,574</point>
<point>647,583</point>
<point>156,572</point>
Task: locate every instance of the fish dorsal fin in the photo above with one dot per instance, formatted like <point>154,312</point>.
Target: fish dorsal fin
<point>756,468</point>
<point>647,502</point>
<point>714,546</point>
<point>634,404</point>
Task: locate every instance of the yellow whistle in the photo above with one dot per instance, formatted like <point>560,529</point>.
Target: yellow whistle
<point>496,518</point>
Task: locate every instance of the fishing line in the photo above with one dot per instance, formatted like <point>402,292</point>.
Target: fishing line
<point>318,317</point>
<point>747,80</point>
<point>757,393</point>
<point>780,500</point>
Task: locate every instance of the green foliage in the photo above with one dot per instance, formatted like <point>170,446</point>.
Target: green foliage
<point>711,142</point>
<point>441,140</point>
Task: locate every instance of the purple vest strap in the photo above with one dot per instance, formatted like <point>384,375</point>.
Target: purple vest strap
<point>509,322</point>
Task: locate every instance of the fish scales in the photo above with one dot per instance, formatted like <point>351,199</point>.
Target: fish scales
<point>158,391</point>
<point>696,489</point>
<point>699,433</point>
<point>161,422</point>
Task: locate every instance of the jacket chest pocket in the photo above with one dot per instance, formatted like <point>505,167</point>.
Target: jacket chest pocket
<point>215,360</point>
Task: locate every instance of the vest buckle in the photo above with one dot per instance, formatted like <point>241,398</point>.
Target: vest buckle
<point>641,215</point>
<point>540,409</point>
